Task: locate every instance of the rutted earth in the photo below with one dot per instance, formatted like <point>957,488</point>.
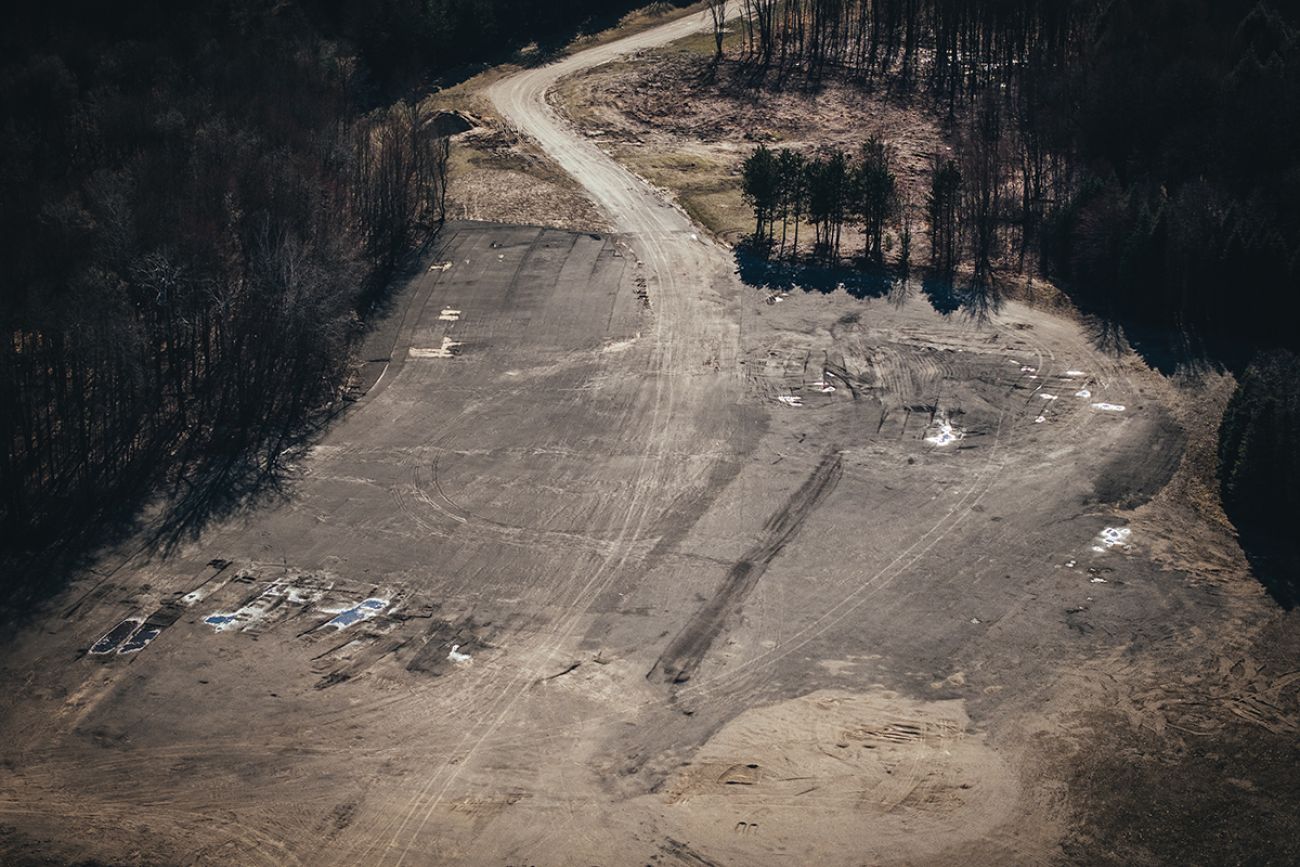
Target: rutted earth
<point>619,561</point>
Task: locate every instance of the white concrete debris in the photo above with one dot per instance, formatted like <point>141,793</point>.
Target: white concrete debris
<point>457,656</point>
<point>944,433</point>
<point>1109,407</point>
<point>304,595</point>
<point>1097,580</point>
<point>1083,392</point>
<point>1025,368</point>
<point>1040,419</point>
<point>449,315</point>
<point>619,345</point>
<point>443,351</point>
<point>196,596</point>
<point>1112,536</point>
<point>1045,396</point>
<point>1075,373</point>
<point>441,266</point>
<point>823,386</point>
<point>1069,564</point>
<point>790,399</point>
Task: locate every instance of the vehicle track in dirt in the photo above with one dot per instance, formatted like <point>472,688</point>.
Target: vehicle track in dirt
<point>683,655</point>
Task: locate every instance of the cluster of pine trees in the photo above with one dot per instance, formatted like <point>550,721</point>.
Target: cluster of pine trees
<point>971,208</point>
<point>826,190</point>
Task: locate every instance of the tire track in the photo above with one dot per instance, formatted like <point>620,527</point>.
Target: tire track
<point>683,655</point>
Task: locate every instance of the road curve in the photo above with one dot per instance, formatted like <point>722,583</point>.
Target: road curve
<point>634,207</point>
<point>672,249</point>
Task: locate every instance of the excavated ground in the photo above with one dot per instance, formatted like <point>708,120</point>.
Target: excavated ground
<point>623,561</point>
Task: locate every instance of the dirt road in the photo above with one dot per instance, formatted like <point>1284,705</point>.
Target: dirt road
<point>623,561</point>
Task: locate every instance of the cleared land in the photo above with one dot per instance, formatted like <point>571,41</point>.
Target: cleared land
<point>623,561</point>
<point>685,124</point>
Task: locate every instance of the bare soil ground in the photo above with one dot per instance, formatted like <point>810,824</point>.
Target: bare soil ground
<point>623,561</point>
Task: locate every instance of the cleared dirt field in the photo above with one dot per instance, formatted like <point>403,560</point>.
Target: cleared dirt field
<point>621,561</point>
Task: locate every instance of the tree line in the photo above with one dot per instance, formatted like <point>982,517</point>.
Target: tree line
<point>195,210</point>
<point>1144,155</point>
<point>826,190</point>
<point>950,46</point>
<point>407,43</point>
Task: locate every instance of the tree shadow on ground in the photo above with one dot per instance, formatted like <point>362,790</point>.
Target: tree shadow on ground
<point>184,480</point>
<point>1274,561</point>
<point>163,499</point>
<point>786,275</point>
<point>977,303</point>
<point>1169,349</point>
<point>866,280</point>
<point>245,471</point>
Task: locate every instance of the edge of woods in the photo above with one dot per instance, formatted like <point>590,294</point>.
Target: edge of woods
<point>203,210</point>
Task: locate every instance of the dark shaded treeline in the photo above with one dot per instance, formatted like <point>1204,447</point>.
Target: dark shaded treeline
<point>1258,442</point>
<point>1144,154</point>
<point>198,202</point>
<point>407,42</point>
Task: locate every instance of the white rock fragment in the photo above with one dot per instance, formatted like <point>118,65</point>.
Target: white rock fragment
<point>1112,536</point>
<point>1083,392</point>
<point>1109,407</point>
<point>444,351</point>
<point>790,399</point>
<point>944,433</point>
<point>457,656</point>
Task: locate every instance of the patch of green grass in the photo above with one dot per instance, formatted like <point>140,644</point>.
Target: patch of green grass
<point>702,43</point>
<point>705,187</point>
